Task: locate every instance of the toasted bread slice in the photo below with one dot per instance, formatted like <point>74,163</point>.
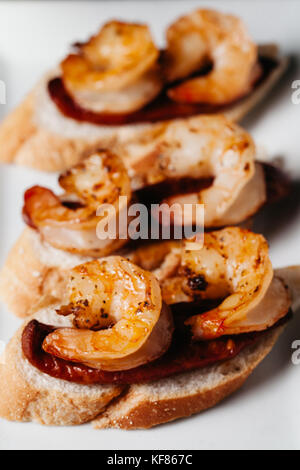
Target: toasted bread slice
<point>37,135</point>
<point>29,395</point>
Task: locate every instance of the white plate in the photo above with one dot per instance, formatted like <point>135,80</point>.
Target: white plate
<point>265,412</point>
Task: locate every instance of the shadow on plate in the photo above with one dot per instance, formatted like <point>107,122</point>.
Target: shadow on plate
<point>279,216</point>
<point>278,361</point>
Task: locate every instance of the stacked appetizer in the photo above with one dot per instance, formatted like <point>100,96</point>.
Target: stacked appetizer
<point>128,334</point>
<point>204,161</point>
<point>119,83</point>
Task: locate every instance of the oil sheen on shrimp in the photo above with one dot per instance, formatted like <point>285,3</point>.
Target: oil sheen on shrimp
<point>200,147</point>
<point>207,36</point>
<point>116,70</point>
<point>233,265</point>
<point>119,318</point>
<point>69,222</point>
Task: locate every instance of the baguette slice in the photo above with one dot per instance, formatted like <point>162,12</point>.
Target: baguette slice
<point>32,270</point>
<point>37,135</point>
<point>29,395</point>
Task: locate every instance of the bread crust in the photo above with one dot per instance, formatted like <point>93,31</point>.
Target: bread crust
<point>145,406</point>
<point>24,398</point>
<point>33,270</point>
<point>25,140</point>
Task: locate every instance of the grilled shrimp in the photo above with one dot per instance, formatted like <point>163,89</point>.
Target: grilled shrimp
<point>69,222</point>
<point>199,147</point>
<point>119,318</point>
<point>232,265</point>
<point>116,70</point>
<point>207,36</point>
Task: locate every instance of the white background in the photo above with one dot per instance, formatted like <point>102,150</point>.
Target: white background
<point>265,412</point>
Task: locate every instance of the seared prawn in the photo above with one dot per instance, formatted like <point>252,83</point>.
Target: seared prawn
<point>69,221</point>
<point>199,148</point>
<point>205,36</point>
<point>233,265</point>
<point>119,318</point>
<point>116,70</point>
